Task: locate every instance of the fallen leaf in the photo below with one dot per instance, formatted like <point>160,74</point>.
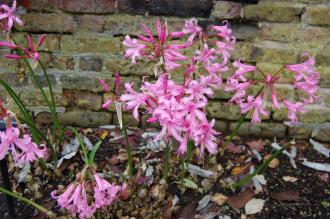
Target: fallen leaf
<point>320,148</point>
<point>290,179</point>
<point>274,163</point>
<point>219,198</point>
<point>236,149</point>
<point>203,202</point>
<point>239,200</point>
<point>256,145</point>
<point>240,170</point>
<point>188,211</point>
<point>104,135</point>
<point>190,184</point>
<point>286,196</point>
<point>254,206</point>
<point>317,166</point>
<point>198,171</point>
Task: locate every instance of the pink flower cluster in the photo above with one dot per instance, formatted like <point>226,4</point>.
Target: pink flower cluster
<point>22,149</point>
<point>305,80</point>
<point>180,108</point>
<point>7,14</point>
<point>29,53</point>
<point>76,198</point>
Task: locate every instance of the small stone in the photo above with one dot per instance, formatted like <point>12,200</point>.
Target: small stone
<point>274,163</point>
<point>142,193</point>
<point>219,198</point>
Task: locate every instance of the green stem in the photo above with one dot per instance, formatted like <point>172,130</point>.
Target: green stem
<point>129,149</point>
<point>166,160</point>
<point>233,133</point>
<point>190,150</point>
<point>82,144</point>
<point>29,202</point>
<point>237,127</point>
<point>53,105</point>
<point>260,169</point>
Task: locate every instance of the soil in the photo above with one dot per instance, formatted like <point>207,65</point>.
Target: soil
<point>150,197</point>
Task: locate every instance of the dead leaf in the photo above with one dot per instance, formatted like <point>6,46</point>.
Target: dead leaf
<point>240,170</point>
<point>286,196</point>
<point>188,211</point>
<point>239,200</point>
<point>274,163</point>
<point>290,179</point>
<point>219,198</point>
<point>256,145</point>
<point>236,149</point>
<point>254,206</point>
<point>104,135</point>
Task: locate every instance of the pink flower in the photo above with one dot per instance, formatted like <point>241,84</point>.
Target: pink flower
<point>104,192</point>
<point>30,53</point>
<point>238,88</point>
<point>306,78</point>
<point>117,83</point>
<point>204,134</point>
<point>293,109</point>
<point>257,105</point>
<point>224,31</point>
<point>191,27</point>
<point>9,13</point>
<point>104,85</point>
<point>133,100</point>
<point>22,149</point>
<point>75,200</point>
<point>242,70</point>
<point>134,50</point>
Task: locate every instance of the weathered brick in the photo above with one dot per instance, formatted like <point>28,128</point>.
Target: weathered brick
<point>132,6</point>
<point>91,63</point>
<point>51,42</point>
<point>43,80</point>
<point>272,12</point>
<point>36,22</point>
<point>125,67</point>
<point>324,76</point>
<point>90,44</point>
<point>33,97</point>
<point>221,126</point>
<point>323,134</point>
<point>300,132</point>
<point>223,10</point>
<point>83,100</point>
<point>264,129</point>
<point>123,24</point>
<point>245,31</point>
<point>85,118</point>
<point>182,8</point>
<point>87,6</point>
<point>130,121</point>
<point>81,82</point>
<point>266,51</point>
<point>293,32</point>
<point>13,79</point>
<point>62,62</point>
<point>10,64</point>
<point>221,110</point>
<point>325,96</point>
<point>87,23</point>
<point>315,114</point>
<point>319,15</point>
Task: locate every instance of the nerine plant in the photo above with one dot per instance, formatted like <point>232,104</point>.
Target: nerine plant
<point>179,107</point>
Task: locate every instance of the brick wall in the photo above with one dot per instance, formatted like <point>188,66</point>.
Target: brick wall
<point>83,44</point>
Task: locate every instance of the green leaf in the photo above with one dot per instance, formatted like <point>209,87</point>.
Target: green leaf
<point>92,154</point>
<point>189,183</point>
<point>325,204</point>
<point>82,144</point>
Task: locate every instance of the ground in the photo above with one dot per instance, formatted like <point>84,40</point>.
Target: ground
<point>289,192</point>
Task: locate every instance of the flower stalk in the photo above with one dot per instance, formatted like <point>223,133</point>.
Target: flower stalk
<point>6,183</point>
<point>129,149</point>
<point>259,170</point>
<point>49,213</point>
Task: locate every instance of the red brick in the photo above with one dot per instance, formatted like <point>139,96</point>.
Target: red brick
<point>87,6</point>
